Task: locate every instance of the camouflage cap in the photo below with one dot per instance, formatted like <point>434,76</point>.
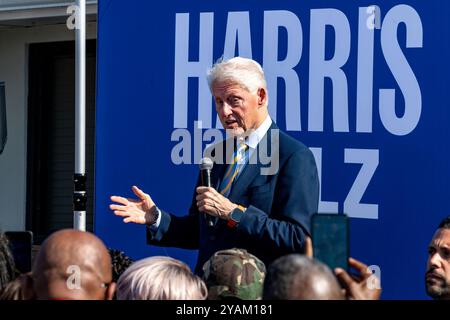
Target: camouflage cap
<point>234,273</point>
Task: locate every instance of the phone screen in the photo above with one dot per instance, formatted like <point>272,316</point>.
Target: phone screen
<point>330,238</point>
<point>21,243</point>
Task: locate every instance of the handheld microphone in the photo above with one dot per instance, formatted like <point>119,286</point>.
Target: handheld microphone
<point>206,166</point>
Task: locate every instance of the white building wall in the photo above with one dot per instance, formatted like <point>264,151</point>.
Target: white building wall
<point>13,71</point>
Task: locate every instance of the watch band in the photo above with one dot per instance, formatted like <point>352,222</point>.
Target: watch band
<point>233,223</point>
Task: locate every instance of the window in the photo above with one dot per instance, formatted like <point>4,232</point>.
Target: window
<point>51,136</point>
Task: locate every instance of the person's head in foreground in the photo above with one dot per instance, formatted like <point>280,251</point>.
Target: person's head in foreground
<point>240,92</point>
<point>437,277</point>
<point>7,266</point>
<point>73,265</point>
<point>120,262</point>
<point>297,277</point>
<point>234,274</point>
<point>19,289</point>
<point>160,278</point>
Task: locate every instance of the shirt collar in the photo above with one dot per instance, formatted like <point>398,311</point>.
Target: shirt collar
<point>256,135</point>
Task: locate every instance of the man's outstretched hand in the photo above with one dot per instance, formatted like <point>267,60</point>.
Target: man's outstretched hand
<point>141,210</point>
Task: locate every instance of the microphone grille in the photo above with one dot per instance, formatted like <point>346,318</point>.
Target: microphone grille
<point>206,164</point>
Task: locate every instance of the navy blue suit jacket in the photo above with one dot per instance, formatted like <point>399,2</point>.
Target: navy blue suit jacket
<point>279,208</point>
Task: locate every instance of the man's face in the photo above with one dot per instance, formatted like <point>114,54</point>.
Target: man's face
<point>238,109</point>
<point>437,278</point>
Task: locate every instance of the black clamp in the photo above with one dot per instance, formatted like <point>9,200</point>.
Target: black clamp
<point>79,194</point>
<point>79,201</point>
<point>79,182</point>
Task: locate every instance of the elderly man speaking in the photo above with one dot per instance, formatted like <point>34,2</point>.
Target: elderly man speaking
<point>268,214</point>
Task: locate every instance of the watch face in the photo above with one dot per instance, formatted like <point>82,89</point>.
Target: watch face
<point>236,215</point>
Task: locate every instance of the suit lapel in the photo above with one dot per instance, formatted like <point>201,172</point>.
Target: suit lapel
<point>251,171</point>
<point>219,168</point>
<point>216,175</point>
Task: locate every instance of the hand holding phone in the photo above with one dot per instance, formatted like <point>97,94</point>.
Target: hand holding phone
<point>363,286</point>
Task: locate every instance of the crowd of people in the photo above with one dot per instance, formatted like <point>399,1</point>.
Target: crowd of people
<point>250,224</point>
<point>75,265</point>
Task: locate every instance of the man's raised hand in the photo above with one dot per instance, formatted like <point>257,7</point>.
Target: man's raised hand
<point>141,210</point>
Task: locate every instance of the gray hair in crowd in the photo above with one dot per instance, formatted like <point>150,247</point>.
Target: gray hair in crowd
<point>160,278</point>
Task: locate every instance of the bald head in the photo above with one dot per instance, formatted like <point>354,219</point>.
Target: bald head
<point>297,277</point>
<point>73,265</point>
<point>319,285</point>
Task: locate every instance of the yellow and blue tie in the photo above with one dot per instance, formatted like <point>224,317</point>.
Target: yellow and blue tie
<point>234,169</point>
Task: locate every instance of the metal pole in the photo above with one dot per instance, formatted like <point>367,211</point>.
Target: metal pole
<point>79,195</point>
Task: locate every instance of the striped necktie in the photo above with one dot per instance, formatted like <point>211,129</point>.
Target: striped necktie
<point>234,169</point>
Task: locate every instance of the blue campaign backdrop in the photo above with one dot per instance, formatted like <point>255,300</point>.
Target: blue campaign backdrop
<point>364,87</point>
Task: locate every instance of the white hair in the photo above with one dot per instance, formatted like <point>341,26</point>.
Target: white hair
<point>160,278</point>
<point>246,73</point>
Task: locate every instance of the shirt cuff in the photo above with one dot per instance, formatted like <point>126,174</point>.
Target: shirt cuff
<point>154,227</point>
